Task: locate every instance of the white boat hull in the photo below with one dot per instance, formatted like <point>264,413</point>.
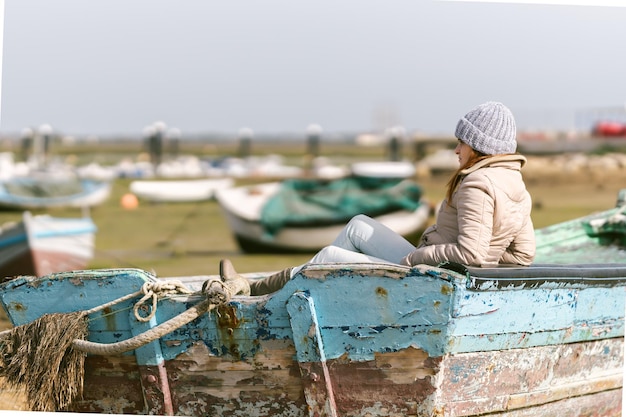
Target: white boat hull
<point>92,193</point>
<point>242,206</point>
<point>179,190</point>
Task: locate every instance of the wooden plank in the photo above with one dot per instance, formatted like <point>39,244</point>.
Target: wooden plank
<point>480,382</point>
<point>269,384</point>
<point>307,338</point>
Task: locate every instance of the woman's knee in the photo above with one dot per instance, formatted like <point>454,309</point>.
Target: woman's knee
<point>360,222</point>
<point>361,218</point>
<point>325,255</point>
<point>326,251</point>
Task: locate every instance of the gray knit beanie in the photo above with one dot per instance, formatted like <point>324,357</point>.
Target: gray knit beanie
<point>489,128</point>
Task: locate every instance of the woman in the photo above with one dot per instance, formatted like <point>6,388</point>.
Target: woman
<point>483,221</point>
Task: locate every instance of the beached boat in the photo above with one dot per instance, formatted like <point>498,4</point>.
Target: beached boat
<point>46,190</point>
<point>306,215</point>
<point>41,245</point>
<point>383,169</point>
<point>597,238</point>
<point>347,339</point>
<point>344,340</point>
<point>177,191</point>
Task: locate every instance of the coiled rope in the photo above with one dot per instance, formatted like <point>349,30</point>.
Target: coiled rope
<point>216,291</point>
<point>46,356</point>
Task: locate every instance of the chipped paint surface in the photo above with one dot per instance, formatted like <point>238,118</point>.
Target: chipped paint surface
<point>360,340</point>
<point>513,379</point>
<point>405,383</point>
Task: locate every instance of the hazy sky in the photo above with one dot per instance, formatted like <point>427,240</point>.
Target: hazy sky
<point>114,66</point>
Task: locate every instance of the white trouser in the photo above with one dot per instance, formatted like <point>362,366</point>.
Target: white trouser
<point>363,240</point>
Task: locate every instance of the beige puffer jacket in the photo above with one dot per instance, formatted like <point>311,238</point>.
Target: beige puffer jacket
<point>488,221</point>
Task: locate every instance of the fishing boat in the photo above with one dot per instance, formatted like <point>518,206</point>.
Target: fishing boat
<point>343,340</point>
<point>347,340</point>
<point>46,190</point>
<point>596,238</point>
<point>383,169</point>
<point>178,191</point>
<point>302,215</point>
<point>41,245</point>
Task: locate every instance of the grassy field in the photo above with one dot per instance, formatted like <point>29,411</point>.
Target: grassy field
<point>189,239</point>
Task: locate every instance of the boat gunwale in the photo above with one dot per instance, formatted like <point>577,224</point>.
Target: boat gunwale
<point>472,278</point>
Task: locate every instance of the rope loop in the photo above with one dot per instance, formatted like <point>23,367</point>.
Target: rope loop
<point>153,291</point>
<point>216,292</point>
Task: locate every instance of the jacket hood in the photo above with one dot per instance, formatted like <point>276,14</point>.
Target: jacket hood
<point>497,160</point>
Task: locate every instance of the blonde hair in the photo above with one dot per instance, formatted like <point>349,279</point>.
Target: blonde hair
<point>458,176</point>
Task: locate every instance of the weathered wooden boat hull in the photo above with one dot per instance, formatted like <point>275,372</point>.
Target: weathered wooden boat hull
<point>358,340</point>
<point>42,245</point>
<point>393,384</point>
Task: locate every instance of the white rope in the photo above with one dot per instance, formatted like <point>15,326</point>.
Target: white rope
<point>154,291</point>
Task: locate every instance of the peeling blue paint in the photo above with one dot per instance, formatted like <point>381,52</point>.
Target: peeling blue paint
<point>439,314</point>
